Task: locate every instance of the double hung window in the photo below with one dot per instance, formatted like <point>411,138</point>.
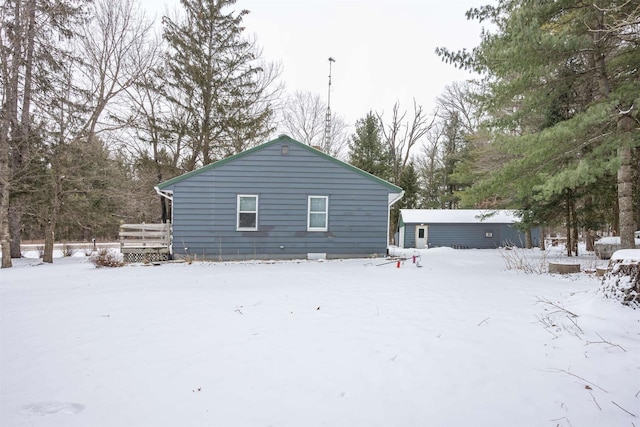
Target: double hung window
<point>318,213</point>
<point>247,213</point>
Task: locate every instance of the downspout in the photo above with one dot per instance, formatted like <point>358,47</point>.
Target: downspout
<point>393,198</point>
<point>168,195</point>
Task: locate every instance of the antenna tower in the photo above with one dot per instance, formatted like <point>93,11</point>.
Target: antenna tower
<point>327,119</point>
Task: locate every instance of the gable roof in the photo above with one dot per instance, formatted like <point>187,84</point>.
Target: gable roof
<point>281,139</point>
<point>458,216</point>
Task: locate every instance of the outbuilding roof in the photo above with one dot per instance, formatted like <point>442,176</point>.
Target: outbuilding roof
<point>458,216</point>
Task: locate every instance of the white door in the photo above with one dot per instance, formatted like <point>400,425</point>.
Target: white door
<point>400,241</point>
<point>421,236</point>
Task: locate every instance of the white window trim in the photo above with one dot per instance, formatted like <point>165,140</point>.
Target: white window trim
<point>326,212</point>
<point>238,228</point>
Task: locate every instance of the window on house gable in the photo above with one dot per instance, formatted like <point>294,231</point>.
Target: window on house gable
<point>318,213</point>
<point>247,213</point>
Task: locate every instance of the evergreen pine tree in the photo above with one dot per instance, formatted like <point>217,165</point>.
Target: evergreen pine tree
<point>214,77</point>
<point>409,182</point>
<point>367,150</point>
<point>562,80</point>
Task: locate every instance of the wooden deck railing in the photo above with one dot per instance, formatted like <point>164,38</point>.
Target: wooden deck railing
<point>140,242</point>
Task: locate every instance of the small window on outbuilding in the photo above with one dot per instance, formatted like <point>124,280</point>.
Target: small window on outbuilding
<point>488,234</point>
<point>247,212</point>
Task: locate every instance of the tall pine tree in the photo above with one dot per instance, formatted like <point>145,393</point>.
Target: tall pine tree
<point>367,150</point>
<point>213,75</point>
<point>563,87</point>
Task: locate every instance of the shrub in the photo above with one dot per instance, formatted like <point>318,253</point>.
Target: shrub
<point>106,258</point>
<point>526,260</point>
<point>67,250</point>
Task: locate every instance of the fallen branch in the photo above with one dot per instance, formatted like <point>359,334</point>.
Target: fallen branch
<point>633,415</point>
<point>579,377</point>
<point>483,321</point>
<point>606,342</point>
<point>576,324</point>
<point>546,301</point>
<point>547,324</point>
<point>594,400</point>
<point>575,334</point>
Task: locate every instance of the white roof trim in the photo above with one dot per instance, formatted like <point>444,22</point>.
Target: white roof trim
<point>394,197</point>
<point>458,216</point>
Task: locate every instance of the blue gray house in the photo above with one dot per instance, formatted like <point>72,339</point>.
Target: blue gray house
<point>461,228</point>
<point>279,200</point>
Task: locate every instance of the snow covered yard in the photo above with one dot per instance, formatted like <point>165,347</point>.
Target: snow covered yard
<point>461,341</point>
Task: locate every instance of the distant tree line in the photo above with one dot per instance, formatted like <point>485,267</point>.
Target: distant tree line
<point>551,128</point>
<point>561,96</point>
<point>96,109</point>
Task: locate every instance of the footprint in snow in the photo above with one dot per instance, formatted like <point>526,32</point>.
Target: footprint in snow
<point>48,408</point>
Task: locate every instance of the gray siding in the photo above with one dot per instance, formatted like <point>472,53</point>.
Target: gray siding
<point>470,235</point>
<point>204,208</point>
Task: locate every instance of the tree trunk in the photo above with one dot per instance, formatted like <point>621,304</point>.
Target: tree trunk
<point>568,224</point>
<point>527,239</point>
<point>625,199</point>
<point>164,210</point>
<point>15,229</point>
<point>163,201</point>
<point>49,233</point>
<point>574,239</point>
<point>635,160</point>
<point>543,233</point>
<point>8,130</point>
<point>21,143</point>
<point>615,226</point>
<point>4,202</point>
<point>5,178</point>
<point>590,240</point>
<point>48,242</point>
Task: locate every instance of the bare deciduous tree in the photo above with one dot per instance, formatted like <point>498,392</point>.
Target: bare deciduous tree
<point>118,52</point>
<point>402,134</point>
<point>303,118</point>
<point>458,98</point>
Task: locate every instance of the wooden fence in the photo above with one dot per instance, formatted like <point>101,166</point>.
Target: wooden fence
<point>145,242</point>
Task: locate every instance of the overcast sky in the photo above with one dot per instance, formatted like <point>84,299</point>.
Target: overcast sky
<point>384,49</point>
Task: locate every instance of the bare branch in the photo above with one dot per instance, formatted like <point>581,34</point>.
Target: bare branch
<point>633,415</point>
<point>594,400</point>
<point>546,301</point>
<point>605,342</point>
<point>401,136</point>
<point>118,52</point>
<point>580,378</point>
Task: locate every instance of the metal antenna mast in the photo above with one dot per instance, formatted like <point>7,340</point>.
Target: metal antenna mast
<point>327,119</point>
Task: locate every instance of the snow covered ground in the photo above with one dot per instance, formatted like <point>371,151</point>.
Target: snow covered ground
<point>461,341</point>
